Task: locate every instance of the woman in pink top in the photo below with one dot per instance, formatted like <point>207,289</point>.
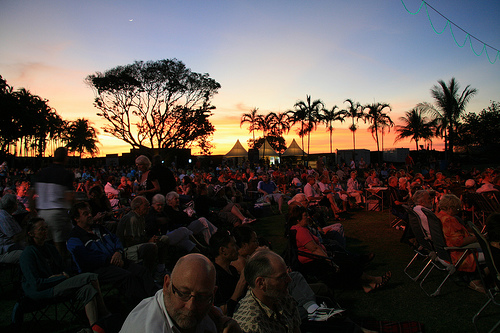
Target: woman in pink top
<point>349,273</point>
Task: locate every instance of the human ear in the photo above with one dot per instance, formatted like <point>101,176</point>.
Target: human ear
<point>166,283</point>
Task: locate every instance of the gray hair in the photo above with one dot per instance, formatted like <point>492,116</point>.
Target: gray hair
<point>449,201</point>
<point>8,202</point>
<point>171,195</point>
<point>143,159</point>
<point>419,196</point>
<point>158,198</point>
<point>258,265</point>
<point>138,202</point>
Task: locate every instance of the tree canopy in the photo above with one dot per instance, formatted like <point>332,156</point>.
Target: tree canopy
<point>27,119</point>
<point>156,104</point>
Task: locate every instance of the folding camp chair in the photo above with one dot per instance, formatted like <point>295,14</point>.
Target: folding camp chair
<point>425,251</point>
<point>481,208</point>
<point>291,257</point>
<point>494,291</point>
<point>443,260</point>
<point>56,309</point>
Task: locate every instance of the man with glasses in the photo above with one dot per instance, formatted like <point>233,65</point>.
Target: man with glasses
<point>184,304</point>
<point>267,306</point>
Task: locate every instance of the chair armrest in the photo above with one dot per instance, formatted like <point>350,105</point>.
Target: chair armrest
<point>316,256</point>
<point>471,246</point>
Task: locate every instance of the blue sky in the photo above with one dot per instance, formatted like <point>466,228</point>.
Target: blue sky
<point>265,54</point>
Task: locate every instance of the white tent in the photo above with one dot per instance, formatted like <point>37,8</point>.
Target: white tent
<point>293,150</point>
<point>267,151</point>
<point>237,151</point>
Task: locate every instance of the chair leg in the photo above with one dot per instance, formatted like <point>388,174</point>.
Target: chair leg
<point>415,278</point>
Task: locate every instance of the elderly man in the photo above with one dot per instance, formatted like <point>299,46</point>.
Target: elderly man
<point>158,226</point>
<point>11,235</point>
<point>184,304</point>
<point>178,218</point>
<point>132,233</point>
<point>270,191</point>
<point>267,306</point>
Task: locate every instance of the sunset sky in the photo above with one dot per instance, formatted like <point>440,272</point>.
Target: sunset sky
<point>265,54</point>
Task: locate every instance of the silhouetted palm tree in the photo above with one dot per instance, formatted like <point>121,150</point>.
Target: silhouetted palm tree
<point>252,119</point>
<point>355,112</point>
<point>378,119</point>
<point>416,126</point>
<point>264,124</point>
<point>279,125</point>
<point>81,137</point>
<point>450,104</point>
<point>307,113</point>
<point>328,117</point>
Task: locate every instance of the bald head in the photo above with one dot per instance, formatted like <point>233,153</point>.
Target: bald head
<point>188,292</point>
<point>194,264</point>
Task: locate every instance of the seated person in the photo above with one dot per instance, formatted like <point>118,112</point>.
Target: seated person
<point>112,193</point>
<point>396,199</point>
<point>372,180</point>
<point>268,297</point>
<point>300,290</point>
<point>314,196</point>
<point>332,234</point>
<point>132,234</point>
<point>348,273</point>
<point>95,249</point>
<point>270,191</point>
<point>157,224</point>
<point>101,208</point>
<point>230,285</point>
<point>126,188</point>
<point>325,187</point>
<point>354,189</point>
<point>440,184</point>
<point>339,193</point>
<point>184,304</point>
<point>11,233</point>
<point>229,212</point>
<point>455,234</point>
<point>178,218</point>
<point>44,278</point>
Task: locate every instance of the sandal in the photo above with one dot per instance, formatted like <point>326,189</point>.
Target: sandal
<point>477,287</point>
<point>378,285</point>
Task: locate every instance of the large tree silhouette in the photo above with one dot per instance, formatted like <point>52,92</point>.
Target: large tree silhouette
<point>156,104</point>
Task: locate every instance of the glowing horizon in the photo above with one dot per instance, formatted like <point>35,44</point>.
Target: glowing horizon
<point>265,54</point>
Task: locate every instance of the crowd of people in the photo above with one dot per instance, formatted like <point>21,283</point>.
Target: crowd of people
<point>179,244</point>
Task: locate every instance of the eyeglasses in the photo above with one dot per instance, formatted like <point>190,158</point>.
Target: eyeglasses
<point>186,296</point>
<point>282,277</point>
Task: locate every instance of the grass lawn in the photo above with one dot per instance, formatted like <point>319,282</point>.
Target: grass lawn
<point>401,300</point>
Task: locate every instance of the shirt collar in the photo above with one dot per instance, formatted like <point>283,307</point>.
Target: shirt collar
<point>267,310</point>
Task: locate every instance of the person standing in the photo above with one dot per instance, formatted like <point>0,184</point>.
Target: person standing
<point>54,197</point>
